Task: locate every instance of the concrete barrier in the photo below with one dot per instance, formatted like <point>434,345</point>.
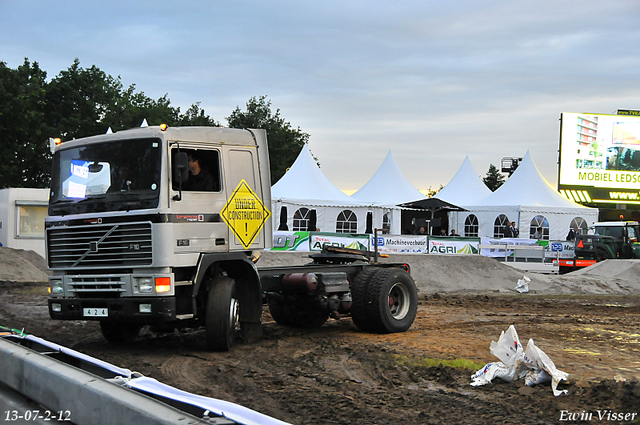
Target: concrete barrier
<point>81,397</point>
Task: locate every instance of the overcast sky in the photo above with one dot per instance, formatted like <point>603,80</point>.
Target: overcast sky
<point>432,81</point>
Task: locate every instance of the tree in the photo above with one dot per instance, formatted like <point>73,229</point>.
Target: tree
<point>77,102</point>
<point>494,178</point>
<point>284,142</point>
<point>432,192</point>
<point>24,154</point>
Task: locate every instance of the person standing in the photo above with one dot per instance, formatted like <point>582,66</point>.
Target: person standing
<point>508,231</point>
<point>572,234</point>
<point>538,234</point>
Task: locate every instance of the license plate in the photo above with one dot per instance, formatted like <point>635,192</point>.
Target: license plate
<point>95,312</point>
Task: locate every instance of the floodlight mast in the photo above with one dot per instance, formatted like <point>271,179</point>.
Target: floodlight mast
<point>509,164</point>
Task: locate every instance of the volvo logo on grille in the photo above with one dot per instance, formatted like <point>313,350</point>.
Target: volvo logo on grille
<point>93,247</point>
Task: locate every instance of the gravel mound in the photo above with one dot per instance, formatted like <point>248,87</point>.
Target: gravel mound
<point>19,265</point>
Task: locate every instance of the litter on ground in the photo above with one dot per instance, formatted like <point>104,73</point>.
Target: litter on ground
<point>530,364</point>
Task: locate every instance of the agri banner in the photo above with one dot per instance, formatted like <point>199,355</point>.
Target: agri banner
<point>343,240</point>
<point>389,244</point>
<point>500,251</point>
<point>453,245</point>
<point>559,249</point>
<point>290,241</point>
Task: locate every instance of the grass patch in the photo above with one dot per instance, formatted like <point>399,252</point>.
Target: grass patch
<point>429,362</point>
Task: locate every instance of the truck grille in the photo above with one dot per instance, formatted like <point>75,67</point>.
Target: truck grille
<point>97,287</point>
<point>99,246</point>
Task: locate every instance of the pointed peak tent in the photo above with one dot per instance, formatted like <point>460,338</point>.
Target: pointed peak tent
<point>312,198</point>
<point>305,183</point>
<point>466,187</point>
<point>528,199</point>
<point>388,186</point>
<point>528,187</point>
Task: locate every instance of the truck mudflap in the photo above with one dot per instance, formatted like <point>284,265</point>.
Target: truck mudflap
<point>143,310</point>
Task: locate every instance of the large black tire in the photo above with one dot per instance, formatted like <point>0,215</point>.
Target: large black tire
<point>359,294</point>
<point>296,311</point>
<point>222,319</point>
<point>118,332</point>
<point>392,301</point>
<point>602,255</point>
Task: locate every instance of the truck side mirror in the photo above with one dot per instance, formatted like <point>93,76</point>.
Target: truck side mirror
<point>181,168</point>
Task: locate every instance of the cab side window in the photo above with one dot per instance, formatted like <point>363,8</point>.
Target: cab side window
<point>204,170</point>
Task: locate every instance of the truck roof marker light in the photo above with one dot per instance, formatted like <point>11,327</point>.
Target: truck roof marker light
<point>163,284</point>
<point>163,127</point>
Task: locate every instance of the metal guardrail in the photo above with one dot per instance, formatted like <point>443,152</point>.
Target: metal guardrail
<point>525,257</point>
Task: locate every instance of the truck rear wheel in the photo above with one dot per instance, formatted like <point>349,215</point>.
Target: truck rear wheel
<point>392,301</point>
<point>222,320</point>
<point>118,333</point>
<point>359,293</point>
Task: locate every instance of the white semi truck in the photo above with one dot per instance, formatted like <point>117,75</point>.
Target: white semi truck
<point>161,226</point>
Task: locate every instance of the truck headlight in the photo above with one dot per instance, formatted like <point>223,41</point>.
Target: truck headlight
<point>145,284</point>
<point>55,287</point>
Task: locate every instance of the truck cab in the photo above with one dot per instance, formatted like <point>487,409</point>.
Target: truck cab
<point>131,240</point>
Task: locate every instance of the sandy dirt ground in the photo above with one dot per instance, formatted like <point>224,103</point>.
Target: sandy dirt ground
<point>587,323</point>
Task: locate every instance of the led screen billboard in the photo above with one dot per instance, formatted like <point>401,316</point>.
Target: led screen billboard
<point>600,158</point>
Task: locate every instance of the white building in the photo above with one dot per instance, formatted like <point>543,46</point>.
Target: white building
<point>22,213</point>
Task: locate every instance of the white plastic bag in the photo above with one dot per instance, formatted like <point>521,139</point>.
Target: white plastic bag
<point>523,285</point>
<point>508,348</point>
<point>531,364</point>
<point>493,370</point>
<point>536,359</point>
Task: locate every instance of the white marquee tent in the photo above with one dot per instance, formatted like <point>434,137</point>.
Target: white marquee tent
<point>388,186</point>
<point>466,187</point>
<point>529,200</point>
<point>305,189</point>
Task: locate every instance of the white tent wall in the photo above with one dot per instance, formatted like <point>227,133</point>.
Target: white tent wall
<point>559,219</point>
<point>327,215</point>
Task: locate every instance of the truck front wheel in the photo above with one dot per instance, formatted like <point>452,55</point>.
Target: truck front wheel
<point>222,321</point>
<point>118,333</point>
<point>392,301</point>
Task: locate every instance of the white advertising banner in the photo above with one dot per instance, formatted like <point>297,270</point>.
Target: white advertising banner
<point>500,251</point>
<point>445,245</point>
<point>318,240</point>
<point>397,244</point>
<point>559,249</point>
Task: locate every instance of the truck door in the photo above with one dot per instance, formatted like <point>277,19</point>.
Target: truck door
<point>241,165</point>
<point>198,226</point>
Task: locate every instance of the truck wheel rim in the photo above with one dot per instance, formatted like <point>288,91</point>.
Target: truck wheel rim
<point>234,315</point>
<point>398,301</point>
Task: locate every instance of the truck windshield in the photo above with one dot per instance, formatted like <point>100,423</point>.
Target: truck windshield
<point>117,175</point>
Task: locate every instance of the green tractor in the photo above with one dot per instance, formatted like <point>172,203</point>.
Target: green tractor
<point>609,240</point>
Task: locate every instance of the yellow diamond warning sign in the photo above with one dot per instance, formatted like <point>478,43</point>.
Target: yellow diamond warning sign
<point>245,214</point>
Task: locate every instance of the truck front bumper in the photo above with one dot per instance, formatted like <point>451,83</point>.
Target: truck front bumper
<point>147,310</point>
